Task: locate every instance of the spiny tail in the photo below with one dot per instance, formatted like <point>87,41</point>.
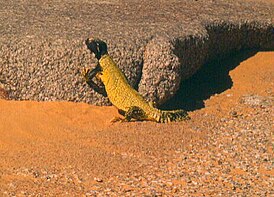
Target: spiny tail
<point>172,116</point>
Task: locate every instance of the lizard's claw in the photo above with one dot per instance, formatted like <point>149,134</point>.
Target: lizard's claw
<point>85,73</point>
<point>117,119</point>
<point>96,46</point>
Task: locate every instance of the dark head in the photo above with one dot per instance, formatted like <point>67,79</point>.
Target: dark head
<point>96,46</point>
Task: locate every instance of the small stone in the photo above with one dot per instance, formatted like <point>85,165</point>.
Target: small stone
<point>98,180</point>
<point>36,174</point>
<point>234,114</point>
<point>127,188</point>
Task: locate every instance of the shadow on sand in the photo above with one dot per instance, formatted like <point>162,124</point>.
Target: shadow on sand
<point>212,78</point>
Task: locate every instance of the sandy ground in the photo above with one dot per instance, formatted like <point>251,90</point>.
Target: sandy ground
<point>62,148</point>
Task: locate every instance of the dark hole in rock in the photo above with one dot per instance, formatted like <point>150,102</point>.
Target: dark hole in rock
<point>212,78</point>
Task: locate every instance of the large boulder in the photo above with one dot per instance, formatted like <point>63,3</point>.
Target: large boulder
<point>156,44</point>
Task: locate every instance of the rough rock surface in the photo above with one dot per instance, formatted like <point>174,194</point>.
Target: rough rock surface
<point>157,45</point>
<point>3,94</point>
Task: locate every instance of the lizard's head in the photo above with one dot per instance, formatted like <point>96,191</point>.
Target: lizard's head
<point>96,46</point>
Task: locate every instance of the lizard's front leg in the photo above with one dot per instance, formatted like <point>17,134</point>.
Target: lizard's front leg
<point>89,75</point>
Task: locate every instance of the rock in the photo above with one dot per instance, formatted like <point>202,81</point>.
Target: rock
<point>3,93</point>
<point>256,100</point>
<point>157,45</point>
<point>161,71</point>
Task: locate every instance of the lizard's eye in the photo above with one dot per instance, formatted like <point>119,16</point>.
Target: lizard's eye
<point>98,48</point>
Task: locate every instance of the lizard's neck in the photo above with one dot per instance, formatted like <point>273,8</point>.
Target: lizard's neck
<point>106,62</point>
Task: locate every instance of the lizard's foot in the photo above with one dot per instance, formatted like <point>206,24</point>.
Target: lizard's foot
<point>85,73</point>
<point>89,74</point>
<point>96,46</point>
<point>117,119</point>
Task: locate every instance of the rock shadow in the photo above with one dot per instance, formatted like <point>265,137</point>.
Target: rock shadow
<point>212,78</point>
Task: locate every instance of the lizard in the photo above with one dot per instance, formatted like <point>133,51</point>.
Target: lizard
<point>129,101</point>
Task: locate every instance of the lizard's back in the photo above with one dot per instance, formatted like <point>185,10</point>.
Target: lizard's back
<point>119,92</point>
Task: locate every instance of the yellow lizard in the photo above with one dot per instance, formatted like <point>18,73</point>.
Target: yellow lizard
<point>129,102</point>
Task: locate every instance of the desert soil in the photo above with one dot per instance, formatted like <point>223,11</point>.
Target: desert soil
<point>71,149</point>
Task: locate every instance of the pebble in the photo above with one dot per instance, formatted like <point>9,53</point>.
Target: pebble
<point>98,180</point>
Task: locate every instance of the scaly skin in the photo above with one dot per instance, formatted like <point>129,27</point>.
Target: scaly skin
<point>128,101</point>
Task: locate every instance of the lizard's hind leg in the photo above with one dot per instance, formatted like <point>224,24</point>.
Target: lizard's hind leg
<point>136,113</point>
<point>133,112</point>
